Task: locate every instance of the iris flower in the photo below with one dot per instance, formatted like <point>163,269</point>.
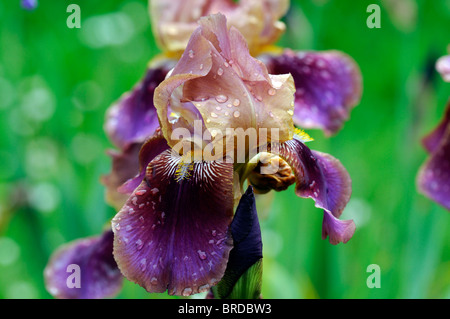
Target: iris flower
<point>433,179</point>
<point>176,206</point>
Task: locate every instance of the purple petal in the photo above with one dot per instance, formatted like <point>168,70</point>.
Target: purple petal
<point>322,178</point>
<point>432,141</point>
<point>247,242</point>
<point>339,231</point>
<point>133,118</point>
<point>29,4</point>
<point>328,86</point>
<point>154,146</point>
<point>443,67</point>
<point>173,231</point>
<point>99,275</point>
<point>125,165</point>
<point>433,179</point>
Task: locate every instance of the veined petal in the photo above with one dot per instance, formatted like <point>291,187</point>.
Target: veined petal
<point>443,67</point>
<point>433,179</point>
<point>322,178</point>
<point>328,85</point>
<point>133,118</point>
<point>173,234</point>
<point>228,87</point>
<point>99,275</point>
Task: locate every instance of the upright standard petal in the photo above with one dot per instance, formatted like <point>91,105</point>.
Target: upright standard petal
<point>433,179</point>
<point>229,88</point>
<point>173,233</point>
<point>133,118</point>
<point>92,258</point>
<point>258,20</point>
<point>328,85</point>
<point>323,178</point>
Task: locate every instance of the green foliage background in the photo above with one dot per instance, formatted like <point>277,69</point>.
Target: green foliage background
<point>56,83</point>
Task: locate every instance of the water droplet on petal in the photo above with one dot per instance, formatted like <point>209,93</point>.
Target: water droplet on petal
<point>236,114</point>
<point>221,98</point>
<point>187,292</point>
<point>236,102</point>
<point>143,264</point>
<point>154,281</point>
<point>191,54</point>
<point>201,66</point>
<point>220,71</point>
<point>271,91</point>
<point>290,112</point>
<point>139,244</point>
<point>214,114</point>
<point>201,254</point>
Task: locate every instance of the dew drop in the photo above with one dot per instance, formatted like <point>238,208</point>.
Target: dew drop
<point>226,64</point>
<point>236,102</point>
<point>201,66</point>
<point>218,108</point>
<point>271,91</point>
<point>139,244</point>
<point>290,112</point>
<point>143,264</point>
<point>117,227</point>
<point>201,254</point>
<point>214,114</point>
<point>220,71</point>
<point>221,98</point>
<point>191,54</point>
<point>154,281</point>
<point>236,114</point>
<point>187,292</point>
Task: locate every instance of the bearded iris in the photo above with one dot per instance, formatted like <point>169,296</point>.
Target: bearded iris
<point>172,231</point>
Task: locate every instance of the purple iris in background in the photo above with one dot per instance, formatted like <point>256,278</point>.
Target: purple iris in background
<point>433,179</point>
<point>29,4</point>
<point>173,230</point>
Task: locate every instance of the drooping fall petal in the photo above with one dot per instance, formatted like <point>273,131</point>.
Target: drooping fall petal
<point>133,118</point>
<point>99,275</point>
<point>323,178</point>
<point>328,86</point>
<point>433,179</point>
<point>173,233</point>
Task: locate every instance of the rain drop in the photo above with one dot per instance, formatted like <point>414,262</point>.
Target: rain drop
<point>236,102</point>
<point>236,114</point>
<point>221,98</point>
<point>187,292</point>
<point>220,71</point>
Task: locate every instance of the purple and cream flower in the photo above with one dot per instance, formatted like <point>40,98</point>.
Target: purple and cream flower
<point>433,179</point>
<point>173,230</point>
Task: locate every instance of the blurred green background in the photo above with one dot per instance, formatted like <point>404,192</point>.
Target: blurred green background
<point>56,83</point>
